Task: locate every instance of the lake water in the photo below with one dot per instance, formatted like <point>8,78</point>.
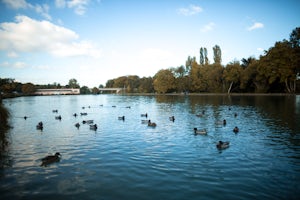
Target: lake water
<point>129,160</point>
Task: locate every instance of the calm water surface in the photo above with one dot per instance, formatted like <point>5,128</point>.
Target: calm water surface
<point>128,160</point>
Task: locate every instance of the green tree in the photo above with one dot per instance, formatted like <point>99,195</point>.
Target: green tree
<point>85,90</point>
<point>73,83</point>
<point>232,73</point>
<point>217,54</point>
<point>164,81</point>
<point>146,85</point>
<point>28,89</point>
<point>201,60</point>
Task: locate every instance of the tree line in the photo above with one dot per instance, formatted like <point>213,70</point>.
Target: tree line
<point>277,71</point>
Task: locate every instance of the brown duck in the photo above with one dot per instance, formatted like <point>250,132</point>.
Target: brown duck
<point>50,159</point>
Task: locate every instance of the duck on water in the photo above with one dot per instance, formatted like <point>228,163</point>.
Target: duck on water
<point>50,159</point>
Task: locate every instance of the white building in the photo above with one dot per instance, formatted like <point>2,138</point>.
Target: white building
<point>63,91</point>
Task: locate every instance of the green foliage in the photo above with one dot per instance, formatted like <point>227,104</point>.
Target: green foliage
<point>73,83</point>
<point>164,81</point>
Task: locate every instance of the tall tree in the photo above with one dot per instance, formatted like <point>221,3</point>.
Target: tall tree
<point>217,54</point>
<point>73,83</point>
<point>232,74</point>
<point>201,61</point>
<point>205,56</point>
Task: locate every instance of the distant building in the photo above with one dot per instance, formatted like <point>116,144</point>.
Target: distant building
<point>63,91</point>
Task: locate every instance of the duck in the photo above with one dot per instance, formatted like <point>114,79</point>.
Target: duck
<point>75,114</point>
<point>144,115</point>
<point>224,122</point>
<point>40,126</point>
<point>202,114</point>
<point>77,125</point>
<point>93,127</point>
<point>222,145</point>
<point>25,117</point>
<point>200,132</point>
<point>235,114</point>
<point>88,121</point>
<point>121,118</point>
<point>172,118</point>
<point>50,159</point>
<point>128,107</point>
<point>58,117</point>
<point>151,124</point>
<point>144,121</point>
<point>83,114</point>
<point>54,111</point>
<point>236,129</point>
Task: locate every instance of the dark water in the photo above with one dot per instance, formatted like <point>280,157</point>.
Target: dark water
<point>128,160</point>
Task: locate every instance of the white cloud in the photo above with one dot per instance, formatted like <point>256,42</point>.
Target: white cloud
<point>29,35</point>
<point>16,4</point>
<point>191,10</point>
<point>256,25</point>
<point>17,65</point>
<point>12,54</point>
<point>208,27</point>
<point>22,4</point>
<point>260,49</point>
<point>79,6</point>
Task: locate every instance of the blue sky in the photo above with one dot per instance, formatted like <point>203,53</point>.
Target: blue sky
<point>47,41</point>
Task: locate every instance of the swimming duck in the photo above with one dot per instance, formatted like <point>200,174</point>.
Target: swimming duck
<point>58,117</point>
<point>172,118</point>
<point>83,114</point>
<point>236,129</point>
<point>40,126</point>
<point>224,122</point>
<point>93,127</point>
<point>122,118</point>
<point>88,121</point>
<point>144,115</point>
<point>222,145</point>
<point>50,159</point>
<point>77,125</point>
<point>144,121</point>
<point>152,124</point>
<point>54,111</point>
<point>75,114</point>
<point>200,132</point>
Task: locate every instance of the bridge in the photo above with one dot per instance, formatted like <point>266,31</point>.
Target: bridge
<point>62,91</point>
<point>118,90</point>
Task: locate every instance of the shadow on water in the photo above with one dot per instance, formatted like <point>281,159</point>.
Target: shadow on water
<point>4,143</point>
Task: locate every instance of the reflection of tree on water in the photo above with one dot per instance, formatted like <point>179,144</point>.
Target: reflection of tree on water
<point>4,115</point>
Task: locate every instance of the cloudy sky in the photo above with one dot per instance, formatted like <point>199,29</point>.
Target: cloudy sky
<point>47,41</point>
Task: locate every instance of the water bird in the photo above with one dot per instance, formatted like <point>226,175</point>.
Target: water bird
<point>54,111</point>
<point>172,118</point>
<point>144,115</point>
<point>200,132</point>
<point>40,126</point>
<point>236,129</point>
<point>151,124</point>
<point>75,114</point>
<point>128,107</point>
<point>88,121</point>
<point>50,159</point>
<point>144,121</point>
<point>77,125</point>
<point>25,117</point>
<point>235,114</point>
<point>222,145</point>
<point>113,106</point>
<point>83,114</point>
<point>93,127</point>
<point>121,118</point>
<point>224,122</point>
<point>58,117</point>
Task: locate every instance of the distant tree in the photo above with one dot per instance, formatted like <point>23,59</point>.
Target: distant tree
<point>101,86</point>
<point>164,81</point>
<point>232,73</point>
<point>217,54</point>
<point>85,90</point>
<point>201,61</point>
<point>110,83</point>
<point>28,88</point>
<point>146,85</point>
<point>95,90</point>
<point>73,83</point>
<point>205,56</point>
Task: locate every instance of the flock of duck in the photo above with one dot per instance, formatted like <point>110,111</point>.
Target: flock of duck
<point>56,157</point>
